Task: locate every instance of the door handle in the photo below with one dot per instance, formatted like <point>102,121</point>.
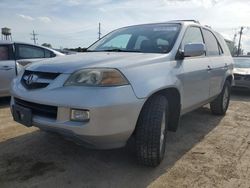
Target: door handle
<point>6,68</point>
<point>209,68</point>
<point>226,66</point>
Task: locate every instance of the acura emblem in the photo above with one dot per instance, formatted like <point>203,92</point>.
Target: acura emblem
<point>31,79</point>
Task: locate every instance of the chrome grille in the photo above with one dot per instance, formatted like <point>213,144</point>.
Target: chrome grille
<point>37,80</point>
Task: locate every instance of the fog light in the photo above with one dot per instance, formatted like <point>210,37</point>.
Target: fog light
<point>79,115</point>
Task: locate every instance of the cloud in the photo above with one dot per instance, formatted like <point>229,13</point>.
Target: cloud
<point>77,20</point>
<point>44,19</point>
<point>26,17</point>
<point>73,2</point>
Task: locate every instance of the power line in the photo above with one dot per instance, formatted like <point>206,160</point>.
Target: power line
<point>34,38</point>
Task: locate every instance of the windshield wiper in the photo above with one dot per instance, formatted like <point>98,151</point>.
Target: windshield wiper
<point>116,50</point>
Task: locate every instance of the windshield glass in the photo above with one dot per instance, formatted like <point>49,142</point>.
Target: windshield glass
<point>242,63</point>
<point>154,38</point>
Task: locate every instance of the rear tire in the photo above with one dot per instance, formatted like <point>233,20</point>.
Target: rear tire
<point>220,105</point>
<point>151,131</point>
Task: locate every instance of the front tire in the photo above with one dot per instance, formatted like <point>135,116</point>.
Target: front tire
<point>220,105</point>
<point>151,131</point>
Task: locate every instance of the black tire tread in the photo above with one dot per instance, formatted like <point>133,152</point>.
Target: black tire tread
<point>216,105</point>
<point>148,131</point>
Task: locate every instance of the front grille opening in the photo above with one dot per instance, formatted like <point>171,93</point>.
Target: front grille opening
<point>38,109</point>
<point>34,85</point>
<point>42,81</point>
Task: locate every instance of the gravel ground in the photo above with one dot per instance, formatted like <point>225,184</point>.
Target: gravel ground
<point>206,151</point>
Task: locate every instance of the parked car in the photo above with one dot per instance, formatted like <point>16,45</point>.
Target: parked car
<point>242,72</point>
<point>15,55</point>
<point>135,82</point>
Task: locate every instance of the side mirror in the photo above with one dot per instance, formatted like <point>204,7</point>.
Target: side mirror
<point>194,49</point>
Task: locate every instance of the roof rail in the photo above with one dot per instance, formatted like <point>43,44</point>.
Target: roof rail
<point>208,26</point>
<point>195,21</point>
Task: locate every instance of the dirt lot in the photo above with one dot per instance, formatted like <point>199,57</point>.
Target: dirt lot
<point>207,151</point>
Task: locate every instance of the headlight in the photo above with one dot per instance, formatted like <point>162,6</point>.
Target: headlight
<point>96,77</point>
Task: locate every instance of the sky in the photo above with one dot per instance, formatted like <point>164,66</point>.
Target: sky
<point>74,23</point>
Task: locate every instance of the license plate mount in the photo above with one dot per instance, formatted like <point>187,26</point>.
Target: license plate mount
<point>22,115</point>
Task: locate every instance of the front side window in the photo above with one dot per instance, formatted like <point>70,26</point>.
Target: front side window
<point>29,52</point>
<point>192,35</point>
<point>152,38</point>
<point>211,43</point>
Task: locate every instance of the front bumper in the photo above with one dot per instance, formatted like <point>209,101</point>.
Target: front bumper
<point>242,84</point>
<point>113,112</point>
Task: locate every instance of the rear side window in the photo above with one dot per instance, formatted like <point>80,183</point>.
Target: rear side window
<point>211,43</point>
<point>6,52</point>
<point>192,35</point>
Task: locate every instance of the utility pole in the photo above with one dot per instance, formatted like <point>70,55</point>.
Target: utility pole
<point>34,38</point>
<point>234,41</point>
<point>99,31</point>
<point>241,32</point>
<point>235,35</point>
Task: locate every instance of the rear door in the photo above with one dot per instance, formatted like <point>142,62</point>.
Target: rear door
<point>7,68</point>
<point>195,74</point>
<point>217,64</point>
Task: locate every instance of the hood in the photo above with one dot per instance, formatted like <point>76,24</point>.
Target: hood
<point>243,71</point>
<point>72,63</point>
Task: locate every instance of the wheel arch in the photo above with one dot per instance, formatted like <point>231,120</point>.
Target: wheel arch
<point>174,100</point>
<point>230,79</point>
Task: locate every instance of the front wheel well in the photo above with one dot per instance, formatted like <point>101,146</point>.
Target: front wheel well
<point>174,100</point>
<point>230,79</point>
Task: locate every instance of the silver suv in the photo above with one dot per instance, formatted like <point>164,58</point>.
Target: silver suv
<point>135,82</point>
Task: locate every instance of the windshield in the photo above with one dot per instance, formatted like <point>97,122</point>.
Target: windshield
<point>154,38</point>
<point>242,63</point>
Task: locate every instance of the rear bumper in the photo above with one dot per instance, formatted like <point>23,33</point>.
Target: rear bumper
<point>113,112</point>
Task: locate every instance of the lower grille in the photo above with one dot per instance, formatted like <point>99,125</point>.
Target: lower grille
<point>238,77</point>
<point>38,109</point>
<point>241,77</point>
<point>247,77</point>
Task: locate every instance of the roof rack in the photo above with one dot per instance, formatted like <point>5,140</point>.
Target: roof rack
<point>208,26</point>
<point>195,21</point>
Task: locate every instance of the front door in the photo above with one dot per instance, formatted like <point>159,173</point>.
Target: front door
<point>7,68</point>
<point>195,73</point>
